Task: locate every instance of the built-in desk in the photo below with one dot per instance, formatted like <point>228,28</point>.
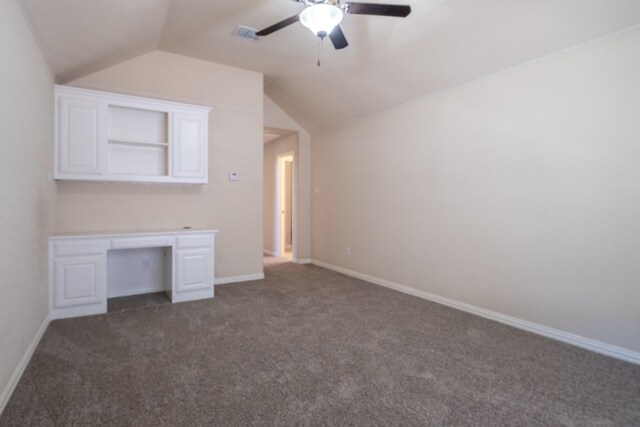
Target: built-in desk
<point>78,267</point>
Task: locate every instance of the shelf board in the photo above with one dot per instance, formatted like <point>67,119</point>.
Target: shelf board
<point>137,142</point>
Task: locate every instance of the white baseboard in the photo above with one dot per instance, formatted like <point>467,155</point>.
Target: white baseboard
<point>556,334</point>
<point>302,261</point>
<point>268,252</point>
<point>17,373</point>
<point>238,279</point>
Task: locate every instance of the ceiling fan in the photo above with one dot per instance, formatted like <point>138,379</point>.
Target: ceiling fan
<point>323,17</point>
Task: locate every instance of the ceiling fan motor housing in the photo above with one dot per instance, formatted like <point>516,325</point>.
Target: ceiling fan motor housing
<point>314,2</point>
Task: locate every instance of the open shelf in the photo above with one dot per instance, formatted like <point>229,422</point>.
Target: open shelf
<point>138,142</point>
<point>136,124</point>
<point>134,159</point>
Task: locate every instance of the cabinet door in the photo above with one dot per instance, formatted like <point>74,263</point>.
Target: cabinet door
<point>189,147</point>
<point>79,285</point>
<point>79,137</point>
<point>194,274</point>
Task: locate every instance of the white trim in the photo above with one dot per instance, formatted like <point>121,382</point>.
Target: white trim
<point>19,370</point>
<point>237,279</point>
<point>131,101</point>
<point>556,334</point>
<point>302,261</point>
<point>138,94</point>
<point>268,252</point>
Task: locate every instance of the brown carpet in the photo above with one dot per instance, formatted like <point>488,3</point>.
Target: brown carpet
<point>308,346</point>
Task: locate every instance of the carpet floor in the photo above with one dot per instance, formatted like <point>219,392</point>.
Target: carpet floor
<point>307,346</point>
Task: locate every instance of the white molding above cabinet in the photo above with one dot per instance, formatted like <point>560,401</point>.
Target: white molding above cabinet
<point>102,136</point>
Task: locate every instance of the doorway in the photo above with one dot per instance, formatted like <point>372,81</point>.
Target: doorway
<point>284,223</point>
<point>281,175</point>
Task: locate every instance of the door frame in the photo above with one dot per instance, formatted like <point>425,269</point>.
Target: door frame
<point>278,218</point>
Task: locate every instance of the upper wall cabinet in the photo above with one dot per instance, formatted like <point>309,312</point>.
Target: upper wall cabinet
<point>104,136</point>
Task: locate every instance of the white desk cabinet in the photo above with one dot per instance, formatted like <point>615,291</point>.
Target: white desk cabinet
<point>193,257</point>
<point>78,267</point>
<point>79,277</point>
<point>103,136</point>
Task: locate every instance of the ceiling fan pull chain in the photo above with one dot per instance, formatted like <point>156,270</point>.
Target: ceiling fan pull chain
<point>319,49</point>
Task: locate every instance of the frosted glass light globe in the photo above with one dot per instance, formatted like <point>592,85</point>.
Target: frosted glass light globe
<point>321,19</point>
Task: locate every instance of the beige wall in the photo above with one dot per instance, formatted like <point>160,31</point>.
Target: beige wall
<point>26,121</point>
<point>271,151</point>
<point>276,117</point>
<point>518,193</point>
<point>235,144</point>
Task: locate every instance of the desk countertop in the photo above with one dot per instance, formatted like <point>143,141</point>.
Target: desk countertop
<point>130,233</point>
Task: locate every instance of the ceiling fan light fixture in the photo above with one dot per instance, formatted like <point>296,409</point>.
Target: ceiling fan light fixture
<point>321,19</point>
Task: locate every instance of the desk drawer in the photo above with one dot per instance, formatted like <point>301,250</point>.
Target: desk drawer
<point>141,242</point>
<point>79,247</point>
<point>194,241</point>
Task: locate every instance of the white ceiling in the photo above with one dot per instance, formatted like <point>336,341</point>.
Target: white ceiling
<point>442,43</point>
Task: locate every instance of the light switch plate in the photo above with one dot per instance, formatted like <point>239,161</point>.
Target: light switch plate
<point>234,176</point>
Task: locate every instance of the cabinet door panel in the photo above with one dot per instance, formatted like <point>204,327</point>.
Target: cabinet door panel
<point>79,281</point>
<point>79,136</point>
<point>189,146</point>
<point>193,270</point>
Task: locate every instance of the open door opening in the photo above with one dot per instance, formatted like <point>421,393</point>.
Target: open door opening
<point>284,218</point>
<point>280,198</point>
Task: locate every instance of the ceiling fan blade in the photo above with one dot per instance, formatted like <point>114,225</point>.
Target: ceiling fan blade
<point>337,38</point>
<point>280,25</point>
<point>396,10</point>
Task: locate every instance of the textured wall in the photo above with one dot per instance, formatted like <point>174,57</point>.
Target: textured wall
<point>26,121</point>
<point>517,193</point>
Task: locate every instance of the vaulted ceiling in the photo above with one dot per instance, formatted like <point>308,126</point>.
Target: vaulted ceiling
<point>442,43</point>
